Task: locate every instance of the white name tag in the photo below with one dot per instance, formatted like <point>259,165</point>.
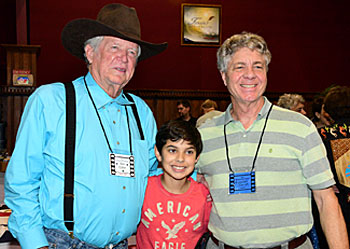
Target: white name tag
<point>122,165</point>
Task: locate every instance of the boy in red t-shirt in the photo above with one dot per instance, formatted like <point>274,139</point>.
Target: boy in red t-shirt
<point>175,213</point>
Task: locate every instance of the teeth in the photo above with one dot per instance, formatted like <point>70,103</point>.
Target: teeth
<point>248,86</point>
<point>177,167</point>
<point>121,69</point>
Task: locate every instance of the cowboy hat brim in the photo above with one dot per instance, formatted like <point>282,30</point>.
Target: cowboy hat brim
<point>78,31</point>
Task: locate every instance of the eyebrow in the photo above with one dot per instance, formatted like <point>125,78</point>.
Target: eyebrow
<point>125,46</point>
<point>173,146</point>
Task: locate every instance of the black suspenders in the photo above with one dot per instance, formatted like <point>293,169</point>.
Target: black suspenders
<point>70,152</point>
<point>136,115</point>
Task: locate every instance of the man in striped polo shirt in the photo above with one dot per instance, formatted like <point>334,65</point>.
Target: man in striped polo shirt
<point>263,162</point>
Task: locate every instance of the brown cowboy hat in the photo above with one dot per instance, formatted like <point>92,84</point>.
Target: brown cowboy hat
<point>113,19</point>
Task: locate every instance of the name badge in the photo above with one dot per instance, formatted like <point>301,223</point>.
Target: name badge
<point>122,165</point>
<point>242,183</point>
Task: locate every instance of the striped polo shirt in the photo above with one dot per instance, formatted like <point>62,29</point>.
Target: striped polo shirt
<point>291,162</point>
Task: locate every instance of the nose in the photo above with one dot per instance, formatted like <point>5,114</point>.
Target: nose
<point>249,73</point>
<point>122,54</point>
<point>180,157</point>
<point>303,112</point>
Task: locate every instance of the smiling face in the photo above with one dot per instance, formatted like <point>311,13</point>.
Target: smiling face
<point>112,64</point>
<point>178,159</point>
<point>245,77</point>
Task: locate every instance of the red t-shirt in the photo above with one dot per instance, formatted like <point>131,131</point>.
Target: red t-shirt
<point>173,221</point>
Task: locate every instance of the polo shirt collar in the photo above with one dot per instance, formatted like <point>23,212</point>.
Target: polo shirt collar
<point>100,97</point>
<point>263,111</point>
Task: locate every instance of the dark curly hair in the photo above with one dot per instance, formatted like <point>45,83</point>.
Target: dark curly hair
<point>176,130</point>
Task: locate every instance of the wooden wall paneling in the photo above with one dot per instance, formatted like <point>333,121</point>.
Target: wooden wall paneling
<point>164,102</point>
<point>18,110</point>
<point>10,131</point>
<point>169,110</point>
<point>13,100</point>
<point>21,57</point>
<point>15,107</point>
<point>161,102</point>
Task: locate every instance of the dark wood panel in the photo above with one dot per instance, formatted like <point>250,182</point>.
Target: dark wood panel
<point>161,102</point>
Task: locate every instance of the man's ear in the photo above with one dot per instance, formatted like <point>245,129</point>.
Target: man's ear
<point>223,76</point>
<point>157,153</point>
<point>89,53</point>
<point>197,159</point>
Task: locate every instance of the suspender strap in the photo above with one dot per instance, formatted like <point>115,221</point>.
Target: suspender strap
<point>70,152</point>
<point>136,115</point>
<point>69,156</point>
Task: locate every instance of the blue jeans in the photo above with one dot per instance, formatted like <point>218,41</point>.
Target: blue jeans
<point>60,240</point>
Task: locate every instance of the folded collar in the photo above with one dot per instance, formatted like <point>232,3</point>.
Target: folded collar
<point>263,111</point>
<point>100,97</point>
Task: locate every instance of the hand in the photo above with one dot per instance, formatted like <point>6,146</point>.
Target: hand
<point>335,189</point>
<point>201,179</point>
<point>209,198</point>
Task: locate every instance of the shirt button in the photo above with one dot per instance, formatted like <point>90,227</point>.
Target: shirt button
<point>118,110</point>
<point>123,211</point>
<point>124,187</point>
<point>114,122</point>
<point>118,142</point>
<point>117,233</point>
<point>245,135</point>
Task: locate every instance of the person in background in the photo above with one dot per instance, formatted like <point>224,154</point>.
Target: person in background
<point>112,159</point>
<point>318,117</point>
<point>210,109</point>
<point>175,212</point>
<point>184,110</point>
<point>294,102</point>
<point>336,137</point>
<point>262,162</point>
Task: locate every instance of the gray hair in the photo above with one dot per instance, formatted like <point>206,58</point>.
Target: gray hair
<point>94,42</point>
<point>290,101</point>
<point>238,41</point>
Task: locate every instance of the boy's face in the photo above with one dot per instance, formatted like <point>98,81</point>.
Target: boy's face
<point>178,159</point>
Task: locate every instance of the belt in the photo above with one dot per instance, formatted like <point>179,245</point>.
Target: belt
<point>66,238</point>
<point>294,243</point>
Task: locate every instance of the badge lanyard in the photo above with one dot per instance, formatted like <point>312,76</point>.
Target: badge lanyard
<point>120,165</point>
<point>243,182</point>
<point>103,129</point>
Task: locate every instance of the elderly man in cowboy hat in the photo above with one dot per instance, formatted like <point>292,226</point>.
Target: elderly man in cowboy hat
<point>113,152</point>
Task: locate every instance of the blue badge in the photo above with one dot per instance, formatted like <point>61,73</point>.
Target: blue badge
<point>242,183</point>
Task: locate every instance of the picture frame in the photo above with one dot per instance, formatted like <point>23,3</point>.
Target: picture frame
<point>22,77</point>
<point>200,24</point>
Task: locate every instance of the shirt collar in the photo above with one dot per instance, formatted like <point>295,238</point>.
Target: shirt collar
<point>263,111</point>
<point>100,97</point>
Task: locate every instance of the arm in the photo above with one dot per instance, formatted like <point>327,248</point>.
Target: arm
<point>332,219</point>
<point>22,179</point>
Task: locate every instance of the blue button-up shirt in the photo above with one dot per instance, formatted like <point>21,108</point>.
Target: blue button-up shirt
<point>106,207</point>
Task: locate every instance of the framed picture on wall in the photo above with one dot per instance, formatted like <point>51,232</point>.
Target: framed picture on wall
<point>200,24</point>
